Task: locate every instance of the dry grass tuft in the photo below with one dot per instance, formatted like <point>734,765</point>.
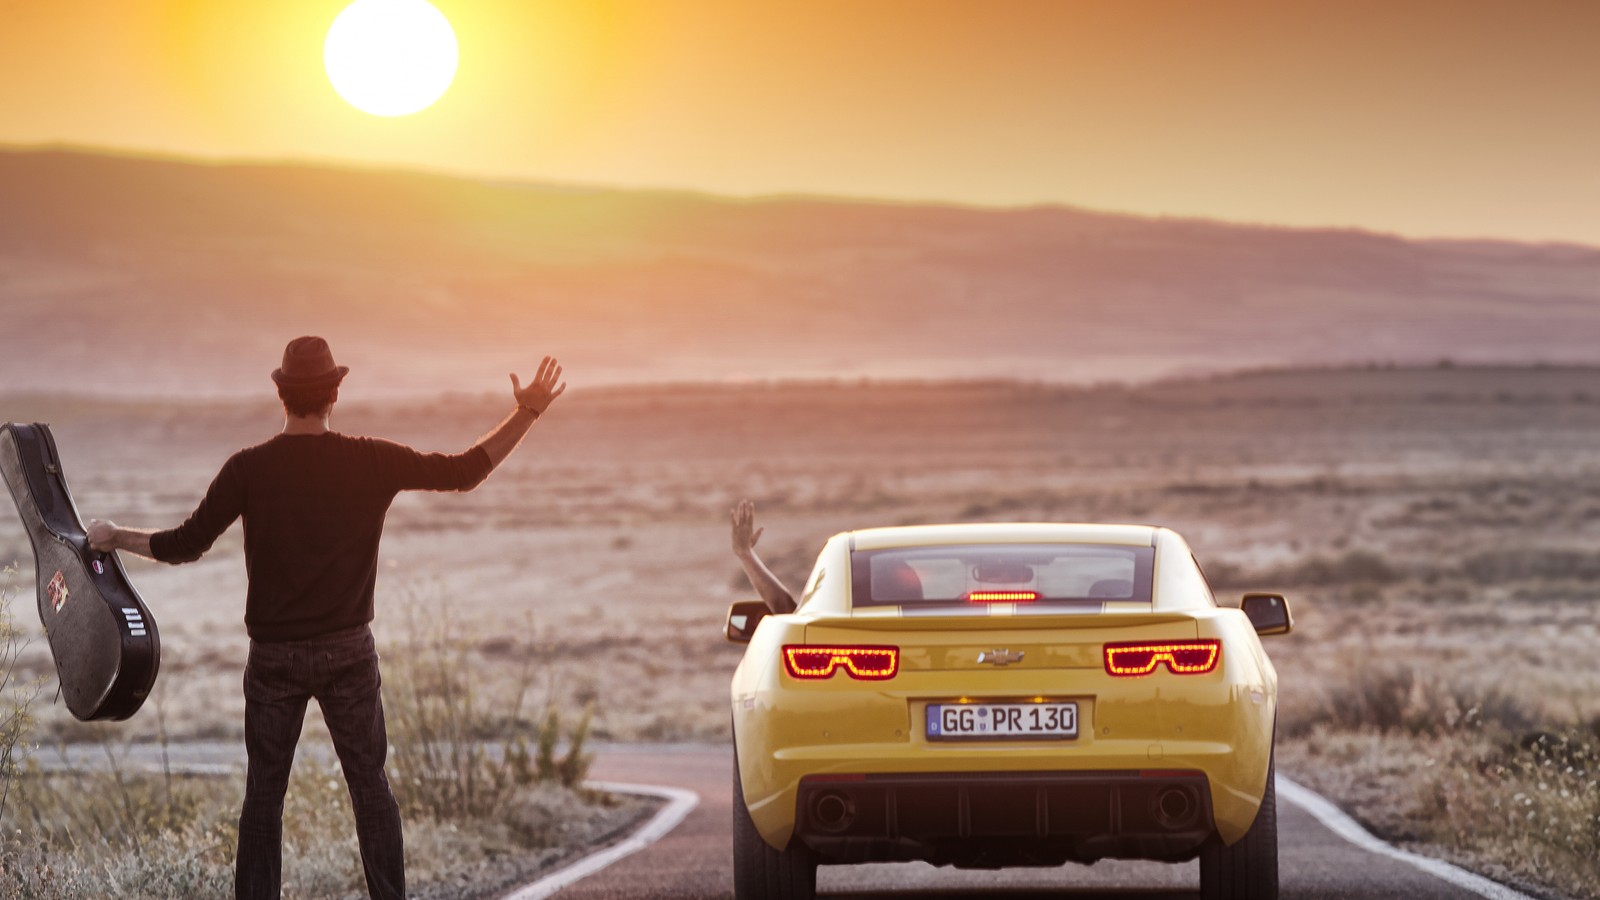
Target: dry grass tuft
<point>1523,809</point>
<point>476,823</point>
<point>442,720</point>
<point>1395,698</point>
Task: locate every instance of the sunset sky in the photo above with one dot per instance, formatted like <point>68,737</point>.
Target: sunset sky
<point>1452,118</point>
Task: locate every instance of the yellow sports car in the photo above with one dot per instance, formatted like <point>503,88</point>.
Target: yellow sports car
<point>1005,695</point>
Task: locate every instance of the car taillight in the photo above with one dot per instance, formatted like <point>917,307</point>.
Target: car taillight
<point>1002,596</point>
<point>866,663</point>
<point>1130,659</point>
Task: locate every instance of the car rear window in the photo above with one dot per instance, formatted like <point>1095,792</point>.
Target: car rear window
<point>1054,573</point>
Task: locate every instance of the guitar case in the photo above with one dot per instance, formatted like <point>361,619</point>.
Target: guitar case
<point>101,634</point>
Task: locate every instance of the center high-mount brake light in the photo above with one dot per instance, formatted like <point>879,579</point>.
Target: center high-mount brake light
<point>1002,596</point>
<point>860,662</point>
<point>1130,659</point>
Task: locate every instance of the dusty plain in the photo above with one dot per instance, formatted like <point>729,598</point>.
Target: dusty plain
<point>1435,528</point>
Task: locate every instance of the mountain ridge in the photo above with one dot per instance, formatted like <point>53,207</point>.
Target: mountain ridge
<point>199,272</point>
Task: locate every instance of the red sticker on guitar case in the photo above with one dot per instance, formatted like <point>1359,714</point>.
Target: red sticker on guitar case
<point>57,591</point>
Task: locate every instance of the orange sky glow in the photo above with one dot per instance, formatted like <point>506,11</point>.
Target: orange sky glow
<point>1448,118</point>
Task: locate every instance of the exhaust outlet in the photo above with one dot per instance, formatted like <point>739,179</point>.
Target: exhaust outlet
<point>833,812</point>
<point>1176,807</point>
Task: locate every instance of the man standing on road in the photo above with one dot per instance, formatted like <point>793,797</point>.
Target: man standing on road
<point>313,503</point>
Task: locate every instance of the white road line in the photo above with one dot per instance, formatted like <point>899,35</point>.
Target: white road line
<point>1337,822</point>
<point>679,803</point>
<point>205,769</point>
<point>148,768</point>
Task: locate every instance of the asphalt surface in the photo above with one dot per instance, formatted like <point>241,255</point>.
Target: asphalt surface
<point>694,860</point>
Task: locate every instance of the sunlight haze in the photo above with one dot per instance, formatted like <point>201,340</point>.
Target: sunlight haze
<point>1424,118</point>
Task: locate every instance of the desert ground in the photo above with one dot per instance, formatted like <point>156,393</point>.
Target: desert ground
<point>1435,528</point>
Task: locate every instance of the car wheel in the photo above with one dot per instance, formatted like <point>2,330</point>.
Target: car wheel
<point>760,872</point>
<point>1248,870</point>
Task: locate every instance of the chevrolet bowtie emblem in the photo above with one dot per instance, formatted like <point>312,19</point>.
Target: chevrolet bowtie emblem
<point>1000,657</point>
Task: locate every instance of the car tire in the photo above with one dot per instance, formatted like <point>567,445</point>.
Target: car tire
<point>760,872</point>
<point>1247,870</point>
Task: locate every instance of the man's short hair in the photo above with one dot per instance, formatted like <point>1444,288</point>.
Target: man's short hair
<point>314,401</point>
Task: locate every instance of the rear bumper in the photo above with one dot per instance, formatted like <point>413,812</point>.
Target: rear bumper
<point>985,820</point>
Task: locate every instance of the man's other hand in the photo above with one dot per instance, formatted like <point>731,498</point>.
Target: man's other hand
<point>543,390</point>
<point>102,535</point>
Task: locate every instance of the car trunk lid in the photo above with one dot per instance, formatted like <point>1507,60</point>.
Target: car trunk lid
<point>966,641</point>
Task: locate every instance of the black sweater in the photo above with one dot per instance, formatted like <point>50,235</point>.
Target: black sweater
<point>313,508</point>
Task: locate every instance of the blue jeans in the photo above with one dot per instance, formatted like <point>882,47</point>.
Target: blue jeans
<point>341,671</point>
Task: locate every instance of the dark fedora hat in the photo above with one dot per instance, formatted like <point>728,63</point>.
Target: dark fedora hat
<point>308,363</point>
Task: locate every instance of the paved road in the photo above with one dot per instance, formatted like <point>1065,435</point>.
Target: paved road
<point>693,861</point>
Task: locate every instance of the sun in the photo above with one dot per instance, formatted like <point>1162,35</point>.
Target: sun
<point>391,57</point>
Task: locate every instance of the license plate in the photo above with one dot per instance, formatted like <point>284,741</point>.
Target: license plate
<point>980,721</point>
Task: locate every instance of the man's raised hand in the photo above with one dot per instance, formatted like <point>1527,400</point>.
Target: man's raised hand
<point>542,390</point>
<point>536,397</point>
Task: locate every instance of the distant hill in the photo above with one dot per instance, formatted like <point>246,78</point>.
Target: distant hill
<point>132,275</point>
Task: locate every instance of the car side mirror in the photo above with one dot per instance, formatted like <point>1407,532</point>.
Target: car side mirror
<point>743,617</point>
<point>1269,613</point>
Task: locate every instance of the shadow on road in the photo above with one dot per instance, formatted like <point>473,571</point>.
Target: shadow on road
<point>1018,894</point>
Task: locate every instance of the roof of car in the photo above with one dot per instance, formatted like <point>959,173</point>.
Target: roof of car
<point>1002,533</point>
